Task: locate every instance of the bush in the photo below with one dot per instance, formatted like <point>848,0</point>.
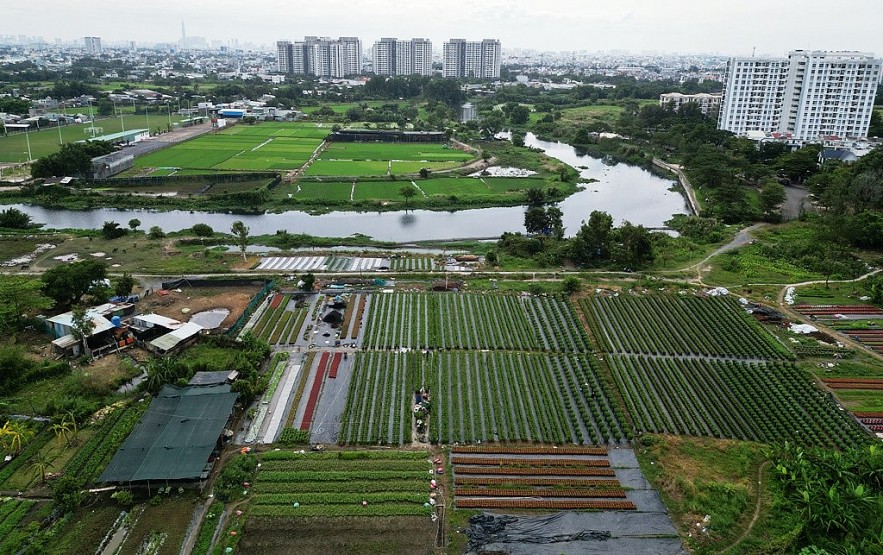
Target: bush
<point>202,230</point>
<point>239,469</point>
<point>156,232</point>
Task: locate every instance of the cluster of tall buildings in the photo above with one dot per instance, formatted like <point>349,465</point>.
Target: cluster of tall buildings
<point>403,57</point>
<point>320,56</point>
<point>324,57</point>
<point>807,96</point>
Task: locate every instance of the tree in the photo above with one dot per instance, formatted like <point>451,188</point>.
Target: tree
<point>634,248</point>
<point>407,191</point>
<point>66,492</point>
<point>20,295</point>
<point>14,218</point>
<point>571,284</point>
<point>592,242</point>
<point>134,224</point>
<point>535,220</point>
<point>40,463</point>
<point>124,285</point>
<point>105,107</point>
<point>555,221</point>
<point>535,196</point>
<point>202,230</point>
<point>72,159</point>
<point>66,284</point>
<point>491,258</point>
<point>519,115</point>
<point>518,138</point>
<point>82,326</point>
<point>309,280</point>
<point>156,232</point>
<point>13,434</point>
<point>240,232</point>
<point>112,230</point>
<point>772,195</point>
<point>493,123</point>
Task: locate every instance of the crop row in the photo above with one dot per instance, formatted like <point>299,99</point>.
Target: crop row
<point>537,463</point>
<point>94,455</point>
<point>467,321</point>
<point>346,455</point>
<point>575,493</point>
<point>480,396</point>
<point>528,450</point>
<point>669,325</point>
<point>331,498</point>
<point>31,449</point>
<point>337,465</point>
<point>11,513</point>
<point>555,504</point>
<point>534,471</point>
<point>343,477</point>
<point>512,482</point>
<point>375,510</point>
<point>754,401</point>
<point>352,487</point>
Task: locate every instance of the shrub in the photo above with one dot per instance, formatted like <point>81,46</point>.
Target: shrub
<point>202,230</point>
<point>239,469</point>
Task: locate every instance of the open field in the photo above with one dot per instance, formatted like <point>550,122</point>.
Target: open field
<point>14,148</point>
<point>418,152</point>
<point>266,146</point>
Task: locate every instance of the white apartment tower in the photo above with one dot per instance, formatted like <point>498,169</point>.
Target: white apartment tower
<point>93,45</point>
<point>462,58</point>
<point>322,57</point>
<point>403,57</point>
<point>809,96</point>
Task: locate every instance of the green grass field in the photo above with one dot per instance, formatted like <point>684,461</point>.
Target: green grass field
<point>348,167</point>
<point>14,148</point>
<point>429,152</point>
<point>267,146</point>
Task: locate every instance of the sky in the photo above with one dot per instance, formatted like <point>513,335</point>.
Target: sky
<point>734,27</point>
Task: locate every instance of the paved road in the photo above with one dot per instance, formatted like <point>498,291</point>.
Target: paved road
<point>167,139</point>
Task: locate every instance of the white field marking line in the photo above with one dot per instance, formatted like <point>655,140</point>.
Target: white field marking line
<point>419,189</point>
<point>268,141</point>
<point>353,190</point>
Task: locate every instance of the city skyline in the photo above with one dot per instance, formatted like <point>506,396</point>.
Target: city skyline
<point>636,26</point>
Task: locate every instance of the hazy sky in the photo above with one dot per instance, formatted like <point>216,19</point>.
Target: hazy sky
<point>729,27</point>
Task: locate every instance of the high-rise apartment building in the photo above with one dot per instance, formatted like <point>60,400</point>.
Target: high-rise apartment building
<point>322,57</point>
<point>403,57</point>
<point>808,96</point>
<point>93,45</point>
<point>462,58</point>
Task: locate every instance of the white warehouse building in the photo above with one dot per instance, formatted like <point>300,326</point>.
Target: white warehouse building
<point>810,96</point>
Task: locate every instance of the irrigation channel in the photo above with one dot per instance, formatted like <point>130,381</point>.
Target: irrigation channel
<point>626,192</point>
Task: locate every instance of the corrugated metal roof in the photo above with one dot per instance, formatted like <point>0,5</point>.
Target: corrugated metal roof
<point>175,437</point>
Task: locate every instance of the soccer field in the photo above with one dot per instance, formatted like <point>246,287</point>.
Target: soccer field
<point>267,146</point>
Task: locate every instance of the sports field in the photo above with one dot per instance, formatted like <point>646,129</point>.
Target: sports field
<point>267,146</point>
<point>354,159</point>
<point>14,148</point>
<point>461,187</point>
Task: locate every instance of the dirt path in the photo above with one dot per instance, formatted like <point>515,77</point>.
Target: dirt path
<point>760,488</point>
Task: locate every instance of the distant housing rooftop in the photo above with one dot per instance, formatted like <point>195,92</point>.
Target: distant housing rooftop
<point>175,437</point>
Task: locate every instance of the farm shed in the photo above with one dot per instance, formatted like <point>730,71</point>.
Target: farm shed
<point>177,338</point>
<point>175,438</point>
<point>213,378</point>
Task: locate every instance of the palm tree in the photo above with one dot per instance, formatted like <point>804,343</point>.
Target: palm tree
<point>40,463</point>
<point>13,434</point>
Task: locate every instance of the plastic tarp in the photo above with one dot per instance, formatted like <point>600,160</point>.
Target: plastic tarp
<point>574,532</point>
<point>175,437</point>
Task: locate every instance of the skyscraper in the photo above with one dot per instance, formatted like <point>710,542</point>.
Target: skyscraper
<point>322,57</point>
<point>93,45</point>
<point>403,57</point>
<point>462,58</point>
<point>808,96</point>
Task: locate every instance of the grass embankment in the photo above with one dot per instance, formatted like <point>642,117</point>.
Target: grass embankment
<point>717,479</point>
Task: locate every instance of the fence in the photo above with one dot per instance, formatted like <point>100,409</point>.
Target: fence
<point>171,179</point>
<point>255,301</point>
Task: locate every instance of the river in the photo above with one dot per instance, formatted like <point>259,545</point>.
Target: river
<point>625,192</point>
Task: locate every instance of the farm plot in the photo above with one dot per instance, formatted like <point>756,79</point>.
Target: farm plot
<point>14,514</point>
<point>348,502</point>
<point>466,321</point>
<point>334,484</point>
<point>666,325</point>
<point>851,320</point>
<point>519,478</point>
<point>480,396</point>
<point>759,401</point>
<point>281,322</point>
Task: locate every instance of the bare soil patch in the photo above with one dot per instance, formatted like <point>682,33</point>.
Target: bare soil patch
<point>197,299</point>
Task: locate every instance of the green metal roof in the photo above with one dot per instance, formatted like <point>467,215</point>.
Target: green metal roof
<point>175,437</point>
<point>131,134</point>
